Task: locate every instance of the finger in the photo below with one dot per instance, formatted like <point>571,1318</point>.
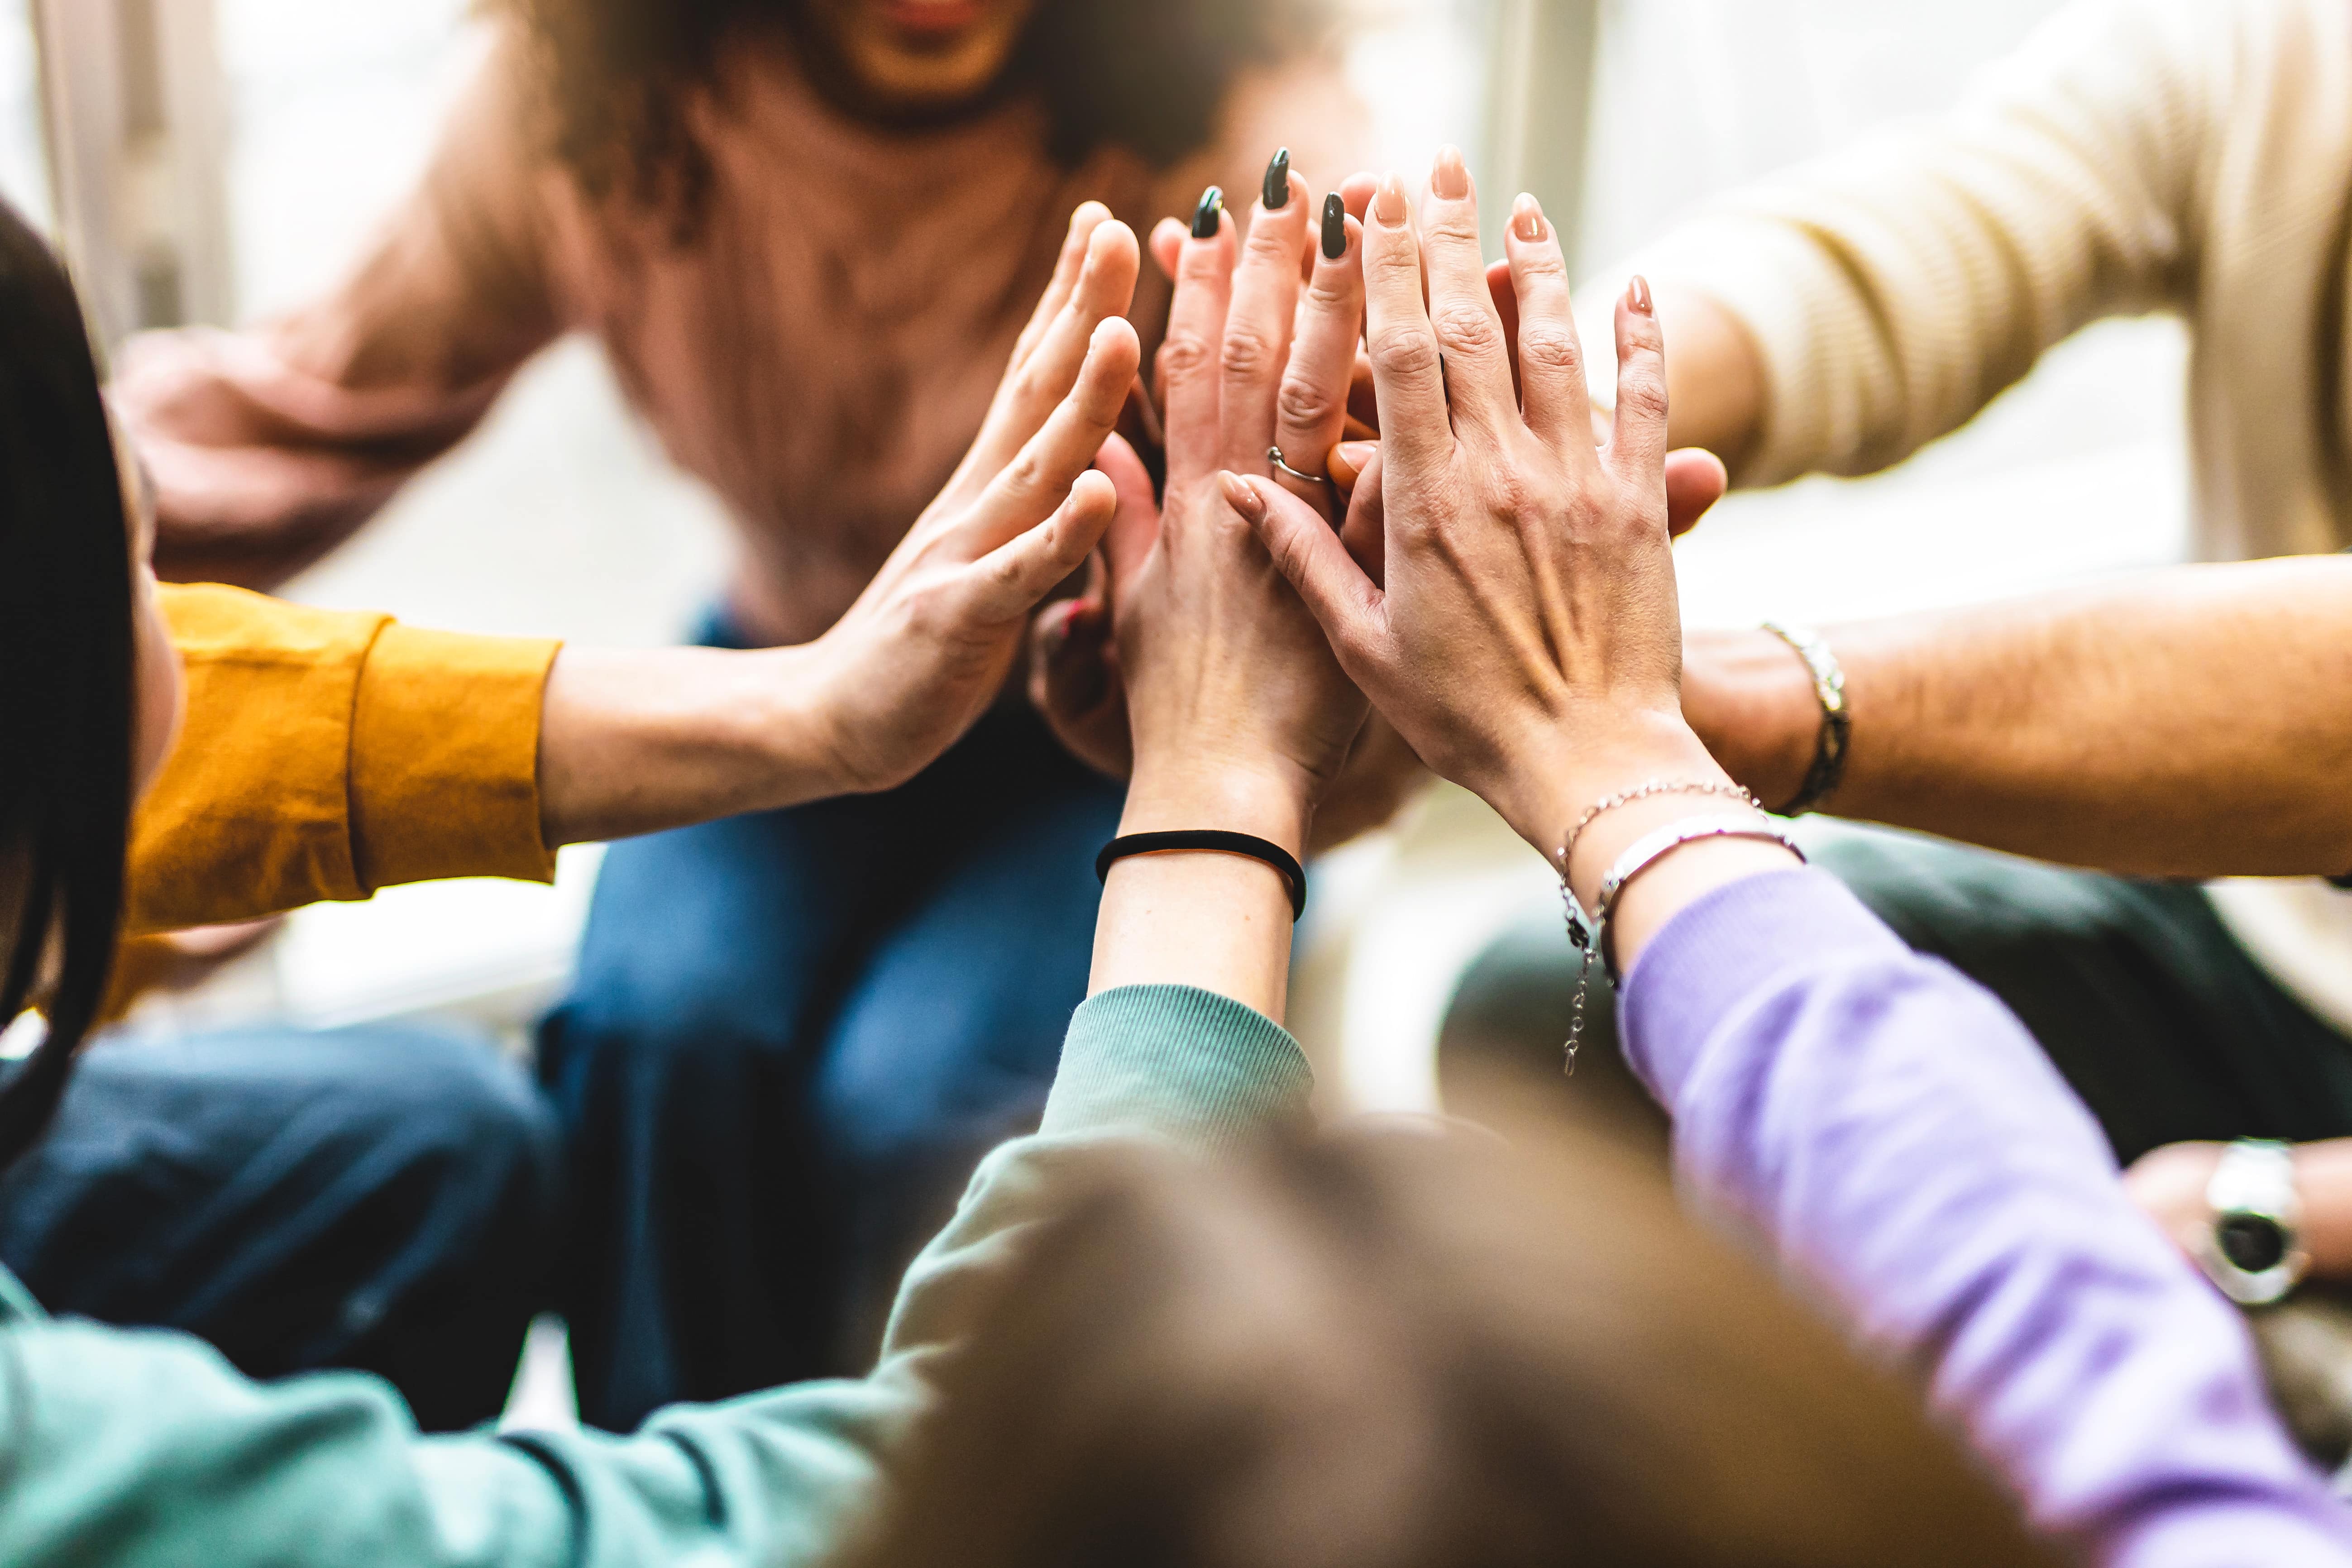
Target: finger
<point>1104,287</point>
<point>1344,601</point>
<point>1259,326</point>
<point>1552,391</point>
<point>1637,452</point>
<point>1166,245</point>
<point>1356,192</point>
<point>1089,216</point>
<point>1189,354</point>
<point>1007,583</point>
<point>1469,333</point>
<point>1364,530</point>
<point>1136,527</point>
<point>1346,461</point>
<point>1038,479</point>
<point>1696,480</point>
<point>1311,412</point>
<point>1507,311</point>
<point>1397,334</point>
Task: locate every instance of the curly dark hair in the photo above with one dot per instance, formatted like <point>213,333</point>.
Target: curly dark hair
<point>1149,76</point>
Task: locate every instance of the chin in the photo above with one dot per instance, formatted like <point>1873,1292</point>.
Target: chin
<point>929,55</point>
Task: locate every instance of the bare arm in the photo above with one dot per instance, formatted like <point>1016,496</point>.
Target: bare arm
<point>2190,722</point>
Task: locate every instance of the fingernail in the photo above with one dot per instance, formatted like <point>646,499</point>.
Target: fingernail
<point>1209,214</point>
<point>1356,454</point>
<point>1526,218</point>
<point>1335,227</point>
<point>1276,195</point>
<point>1239,496</point>
<point>1637,294</point>
<point>1451,178</point>
<point>1389,205</point>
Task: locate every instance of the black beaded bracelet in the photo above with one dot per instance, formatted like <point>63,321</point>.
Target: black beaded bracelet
<point>1286,865</point>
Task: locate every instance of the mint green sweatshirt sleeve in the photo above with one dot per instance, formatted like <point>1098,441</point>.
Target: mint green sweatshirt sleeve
<point>145,1449</point>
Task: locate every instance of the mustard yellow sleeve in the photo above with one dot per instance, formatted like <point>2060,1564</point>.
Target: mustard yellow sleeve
<point>328,753</point>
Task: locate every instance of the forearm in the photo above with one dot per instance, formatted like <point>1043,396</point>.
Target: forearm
<point>1715,375</point>
<point>2189,722</point>
<point>638,741</point>
<point>1218,922</point>
<point>1894,1135</point>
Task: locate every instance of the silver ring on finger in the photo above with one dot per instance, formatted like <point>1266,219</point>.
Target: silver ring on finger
<point>1274,455</point>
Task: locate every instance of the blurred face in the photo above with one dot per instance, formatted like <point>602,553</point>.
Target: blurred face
<point>925,54</point>
<point>155,662</point>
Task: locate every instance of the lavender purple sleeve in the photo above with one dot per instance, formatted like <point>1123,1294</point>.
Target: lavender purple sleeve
<point>1899,1141</point>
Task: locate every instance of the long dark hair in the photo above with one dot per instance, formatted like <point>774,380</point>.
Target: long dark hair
<point>1394,1350</point>
<point>66,678</point>
<point>1148,75</point>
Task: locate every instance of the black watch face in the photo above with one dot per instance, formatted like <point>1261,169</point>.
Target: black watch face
<point>2252,1242</point>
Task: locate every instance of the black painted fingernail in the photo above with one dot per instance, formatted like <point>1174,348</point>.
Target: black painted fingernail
<point>1335,227</point>
<point>1206,215</point>
<point>1277,181</point>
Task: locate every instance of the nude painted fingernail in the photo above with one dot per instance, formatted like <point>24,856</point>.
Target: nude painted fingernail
<point>1240,496</point>
<point>1389,204</point>
<point>1526,218</point>
<point>1450,178</point>
<point>1356,454</point>
<point>1637,294</point>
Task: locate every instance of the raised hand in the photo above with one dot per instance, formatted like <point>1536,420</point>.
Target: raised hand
<point>1226,673</point>
<point>1524,637</point>
<point>1258,353</point>
<point>928,644</point>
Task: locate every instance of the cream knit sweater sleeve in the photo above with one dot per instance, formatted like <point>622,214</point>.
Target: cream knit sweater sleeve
<point>1895,287</point>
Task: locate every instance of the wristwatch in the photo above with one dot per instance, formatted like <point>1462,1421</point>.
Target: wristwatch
<point>2253,1252</point>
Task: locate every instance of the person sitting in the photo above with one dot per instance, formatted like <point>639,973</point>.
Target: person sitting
<point>1879,1123</point>
<point>385,1199</point>
<point>806,233</point>
<point>2133,155</point>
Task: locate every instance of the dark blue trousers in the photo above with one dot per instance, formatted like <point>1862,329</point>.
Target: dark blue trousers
<point>384,1198</point>
<point>791,1037</point>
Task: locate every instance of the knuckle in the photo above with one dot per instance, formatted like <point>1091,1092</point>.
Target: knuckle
<point>1185,354</point>
<point>1304,405</point>
<point>1248,354</point>
<point>1642,395</point>
<point>1026,473</point>
<point>1326,297</point>
<point>1465,329</point>
<point>1546,346</point>
<point>1403,353</point>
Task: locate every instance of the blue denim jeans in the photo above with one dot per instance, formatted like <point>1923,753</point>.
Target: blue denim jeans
<point>381,1198</point>
<point>792,1036</point>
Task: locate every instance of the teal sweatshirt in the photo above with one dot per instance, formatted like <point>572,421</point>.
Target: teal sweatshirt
<point>144,1447</point>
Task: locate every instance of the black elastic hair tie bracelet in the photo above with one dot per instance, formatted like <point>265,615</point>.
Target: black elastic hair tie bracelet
<point>1294,876</point>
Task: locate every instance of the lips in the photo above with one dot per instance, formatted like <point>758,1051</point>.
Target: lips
<point>934,18</point>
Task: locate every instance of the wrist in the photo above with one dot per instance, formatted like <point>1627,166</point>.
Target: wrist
<point>1265,798</point>
<point>782,723</point>
<point>1560,770</point>
<point>1750,700</point>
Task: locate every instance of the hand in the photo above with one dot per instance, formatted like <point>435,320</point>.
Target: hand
<point>1696,477</point>
<point>1239,714</point>
<point>1293,346</point>
<point>928,643</point>
<point>1524,635</point>
<point>1235,700</point>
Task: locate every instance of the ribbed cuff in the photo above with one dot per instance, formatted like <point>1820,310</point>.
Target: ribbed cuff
<point>444,758</point>
<point>1723,950</point>
<point>1178,1061</point>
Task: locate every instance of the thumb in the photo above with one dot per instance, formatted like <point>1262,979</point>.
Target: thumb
<point>1696,480</point>
<point>1340,597</point>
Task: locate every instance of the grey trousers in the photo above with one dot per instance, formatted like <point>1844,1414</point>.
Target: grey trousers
<point>2145,1003</point>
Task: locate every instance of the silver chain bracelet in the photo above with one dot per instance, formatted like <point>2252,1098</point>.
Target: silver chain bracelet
<point>1584,931</point>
